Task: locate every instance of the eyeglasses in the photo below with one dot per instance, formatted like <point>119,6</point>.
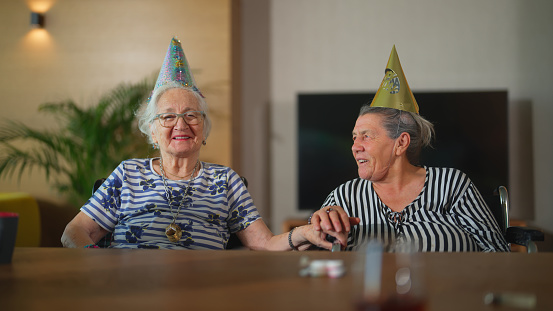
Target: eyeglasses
<point>169,119</point>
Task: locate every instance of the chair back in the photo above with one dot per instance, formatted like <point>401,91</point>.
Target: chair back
<point>498,202</point>
<point>29,227</point>
<point>104,242</point>
<point>97,184</point>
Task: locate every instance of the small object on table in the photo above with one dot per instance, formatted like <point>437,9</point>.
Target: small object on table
<point>514,300</point>
<point>322,268</point>
<point>335,268</point>
<point>336,246</point>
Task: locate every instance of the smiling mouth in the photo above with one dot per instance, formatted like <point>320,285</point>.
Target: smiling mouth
<point>181,137</point>
<point>362,161</point>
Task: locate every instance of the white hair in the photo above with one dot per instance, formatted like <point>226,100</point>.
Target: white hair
<point>147,113</point>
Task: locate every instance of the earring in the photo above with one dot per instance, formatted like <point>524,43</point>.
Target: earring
<point>204,143</point>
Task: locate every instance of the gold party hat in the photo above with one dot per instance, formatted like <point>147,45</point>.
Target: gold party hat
<point>394,92</point>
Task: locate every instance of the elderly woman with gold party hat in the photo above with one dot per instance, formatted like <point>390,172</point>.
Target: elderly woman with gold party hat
<point>177,201</point>
<point>395,200</point>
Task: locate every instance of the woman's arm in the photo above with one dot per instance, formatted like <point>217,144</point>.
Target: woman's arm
<point>82,231</point>
<point>257,236</point>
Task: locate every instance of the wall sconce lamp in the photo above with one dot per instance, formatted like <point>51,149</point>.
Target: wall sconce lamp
<point>37,20</point>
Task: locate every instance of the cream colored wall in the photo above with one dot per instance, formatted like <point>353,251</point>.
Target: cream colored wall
<point>88,47</point>
<point>341,46</point>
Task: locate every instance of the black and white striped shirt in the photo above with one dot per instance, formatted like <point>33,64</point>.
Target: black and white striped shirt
<point>449,215</point>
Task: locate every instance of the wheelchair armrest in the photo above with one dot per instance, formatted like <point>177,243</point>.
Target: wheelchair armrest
<point>523,235</point>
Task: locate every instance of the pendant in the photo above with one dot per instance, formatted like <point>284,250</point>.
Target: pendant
<point>173,232</point>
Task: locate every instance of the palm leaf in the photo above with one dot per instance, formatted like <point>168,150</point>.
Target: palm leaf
<point>89,143</point>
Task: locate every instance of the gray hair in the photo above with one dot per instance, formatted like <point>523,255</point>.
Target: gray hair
<point>396,122</point>
<point>147,113</point>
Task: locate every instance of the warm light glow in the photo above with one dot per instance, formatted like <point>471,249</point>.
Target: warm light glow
<point>38,37</point>
<point>40,6</point>
<point>38,49</point>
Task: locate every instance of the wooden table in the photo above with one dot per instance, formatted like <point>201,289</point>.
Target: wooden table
<point>109,279</point>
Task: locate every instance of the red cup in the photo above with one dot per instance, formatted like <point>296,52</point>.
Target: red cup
<point>8,233</point>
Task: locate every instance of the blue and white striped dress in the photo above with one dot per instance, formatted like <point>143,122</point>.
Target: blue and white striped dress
<point>449,215</point>
<point>132,203</point>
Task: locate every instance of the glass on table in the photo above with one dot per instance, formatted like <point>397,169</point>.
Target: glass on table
<point>406,276</point>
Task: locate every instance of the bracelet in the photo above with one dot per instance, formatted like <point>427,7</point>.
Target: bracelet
<point>290,240</point>
<point>91,246</point>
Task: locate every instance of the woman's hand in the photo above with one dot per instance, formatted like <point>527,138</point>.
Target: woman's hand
<point>332,220</point>
<point>304,237</point>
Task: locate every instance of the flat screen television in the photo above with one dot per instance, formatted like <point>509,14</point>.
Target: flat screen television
<point>471,135</point>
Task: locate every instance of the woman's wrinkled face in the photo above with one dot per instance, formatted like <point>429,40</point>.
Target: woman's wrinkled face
<point>181,140</point>
<point>372,148</point>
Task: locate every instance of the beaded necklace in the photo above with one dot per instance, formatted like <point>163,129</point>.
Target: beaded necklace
<point>174,231</point>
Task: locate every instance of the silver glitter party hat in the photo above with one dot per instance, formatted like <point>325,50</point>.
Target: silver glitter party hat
<point>175,68</point>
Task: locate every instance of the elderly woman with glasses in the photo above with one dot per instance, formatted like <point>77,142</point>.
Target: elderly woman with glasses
<point>176,201</point>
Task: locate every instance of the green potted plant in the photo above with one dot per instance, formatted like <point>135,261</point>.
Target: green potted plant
<point>89,143</point>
